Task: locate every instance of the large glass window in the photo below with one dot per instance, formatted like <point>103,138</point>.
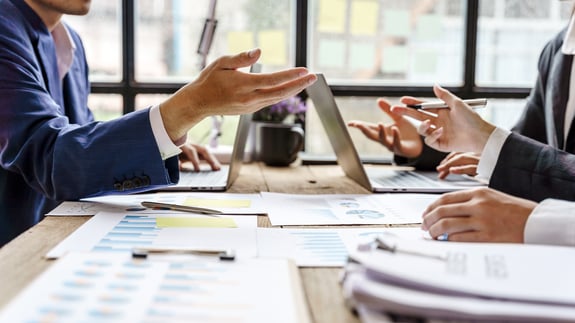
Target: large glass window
<point>140,51</point>
<point>512,34</point>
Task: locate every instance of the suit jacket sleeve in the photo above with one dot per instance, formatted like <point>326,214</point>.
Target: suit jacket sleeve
<point>529,169</point>
<point>53,143</point>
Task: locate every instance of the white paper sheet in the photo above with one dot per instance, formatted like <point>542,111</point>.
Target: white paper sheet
<point>96,287</point>
<point>225,202</point>
<point>339,209</point>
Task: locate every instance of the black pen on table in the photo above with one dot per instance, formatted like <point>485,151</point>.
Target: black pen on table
<point>184,208</point>
<point>475,103</point>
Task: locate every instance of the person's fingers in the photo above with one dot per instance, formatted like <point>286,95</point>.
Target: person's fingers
<point>385,137</point>
<point>370,130</point>
<point>410,100</point>
<point>464,169</point>
<point>192,156</point>
<point>448,157</point>
<point>205,154</point>
<point>468,236</point>
<point>413,113</point>
<point>450,198</point>
<point>268,96</point>
<point>243,59</point>
<point>451,226</point>
<point>395,134</point>
<point>445,96</point>
<point>258,81</point>
<point>443,173</point>
<point>432,139</point>
<point>426,128</point>
<point>386,108</point>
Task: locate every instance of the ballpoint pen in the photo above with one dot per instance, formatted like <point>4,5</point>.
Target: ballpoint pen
<point>144,252</point>
<point>184,208</point>
<point>475,103</point>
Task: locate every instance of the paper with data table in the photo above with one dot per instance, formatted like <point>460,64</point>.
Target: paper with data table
<point>119,232</point>
<point>345,209</point>
<point>93,287</point>
<point>226,202</point>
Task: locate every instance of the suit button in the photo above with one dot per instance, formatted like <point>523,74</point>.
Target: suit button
<point>137,182</point>
<point>118,186</point>
<point>145,180</point>
<point>127,185</point>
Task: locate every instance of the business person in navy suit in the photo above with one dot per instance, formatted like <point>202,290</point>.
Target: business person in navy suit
<point>52,150</point>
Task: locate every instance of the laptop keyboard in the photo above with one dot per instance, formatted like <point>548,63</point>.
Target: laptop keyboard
<point>403,179</point>
<point>203,178</point>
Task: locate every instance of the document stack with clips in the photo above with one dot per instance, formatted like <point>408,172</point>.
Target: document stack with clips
<point>451,281</point>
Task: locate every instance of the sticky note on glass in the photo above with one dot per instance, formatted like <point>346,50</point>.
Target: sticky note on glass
<point>395,59</point>
<point>217,203</point>
<point>364,15</point>
<point>239,41</point>
<point>429,27</point>
<point>195,222</point>
<point>396,23</point>
<point>362,56</point>
<point>273,46</point>
<point>331,53</point>
<point>331,16</point>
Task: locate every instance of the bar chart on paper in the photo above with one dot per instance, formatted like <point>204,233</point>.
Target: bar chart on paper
<point>119,232</point>
<point>96,287</point>
<point>321,247</point>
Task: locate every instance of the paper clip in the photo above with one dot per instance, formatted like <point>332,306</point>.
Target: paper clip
<point>381,244</point>
<point>144,252</point>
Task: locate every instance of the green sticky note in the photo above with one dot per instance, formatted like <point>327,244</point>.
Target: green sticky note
<point>362,56</point>
<point>331,53</point>
<point>396,23</point>
<point>395,59</point>
<point>216,203</point>
<point>195,222</point>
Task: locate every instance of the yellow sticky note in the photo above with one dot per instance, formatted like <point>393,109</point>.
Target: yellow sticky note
<point>273,44</point>
<point>364,17</point>
<point>215,203</point>
<point>239,41</point>
<point>331,16</point>
<point>195,222</point>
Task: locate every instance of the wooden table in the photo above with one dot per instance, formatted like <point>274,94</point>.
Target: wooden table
<point>22,259</point>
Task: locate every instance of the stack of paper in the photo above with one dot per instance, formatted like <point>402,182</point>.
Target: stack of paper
<point>487,282</point>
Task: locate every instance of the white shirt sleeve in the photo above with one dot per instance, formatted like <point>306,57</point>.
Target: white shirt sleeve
<point>166,146</point>
<point>551,222</point>
<point>490,153</point>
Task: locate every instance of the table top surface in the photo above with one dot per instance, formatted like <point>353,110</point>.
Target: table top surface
<point>23,258</point>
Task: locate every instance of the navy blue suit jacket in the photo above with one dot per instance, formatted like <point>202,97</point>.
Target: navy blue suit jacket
<point>51,149</point>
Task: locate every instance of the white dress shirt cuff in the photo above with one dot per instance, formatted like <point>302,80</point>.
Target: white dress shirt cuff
<point>166,146</point>
<point>551,222</point>
<point>490,153</point>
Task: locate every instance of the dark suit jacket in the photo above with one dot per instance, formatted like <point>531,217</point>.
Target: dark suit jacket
<point>50,147</point>
<point>538,169</point>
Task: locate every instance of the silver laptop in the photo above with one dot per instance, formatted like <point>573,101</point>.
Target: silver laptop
<point>375,179</point>
<point>208,180</point>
